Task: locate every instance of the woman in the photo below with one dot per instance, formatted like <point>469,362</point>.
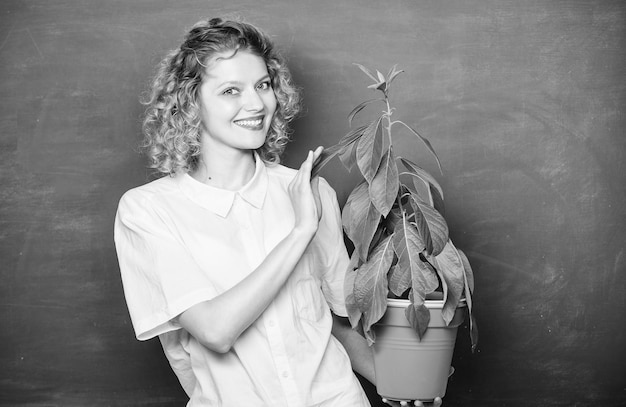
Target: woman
<point>234,261</point>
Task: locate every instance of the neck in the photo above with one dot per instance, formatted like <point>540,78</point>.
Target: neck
<point>230,173</point>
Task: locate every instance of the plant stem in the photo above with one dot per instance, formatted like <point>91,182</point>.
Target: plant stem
<point>388,116</point>
<point>388,126</point>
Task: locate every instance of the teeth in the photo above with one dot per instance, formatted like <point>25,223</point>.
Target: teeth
<point>249,123</point>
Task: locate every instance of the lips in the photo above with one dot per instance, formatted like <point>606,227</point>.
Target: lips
<point>251,123</point>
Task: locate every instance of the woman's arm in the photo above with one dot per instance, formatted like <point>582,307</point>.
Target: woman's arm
<point>218,323</point>
<point>356,346</point>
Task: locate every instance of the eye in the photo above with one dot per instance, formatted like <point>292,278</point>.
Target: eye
<point>230,91</point>
<point>266,85</point>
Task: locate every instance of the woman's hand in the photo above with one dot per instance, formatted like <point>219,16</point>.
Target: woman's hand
<point>304,195</point>
<point>436,403</point>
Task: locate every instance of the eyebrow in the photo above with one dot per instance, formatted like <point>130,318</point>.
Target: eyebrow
<point>227,83</point>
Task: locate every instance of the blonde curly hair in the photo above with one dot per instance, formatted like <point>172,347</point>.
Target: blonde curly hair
<point>172,122</point>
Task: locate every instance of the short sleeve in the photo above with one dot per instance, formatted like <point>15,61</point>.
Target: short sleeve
<point>159,275</point>
<point>331,250</point>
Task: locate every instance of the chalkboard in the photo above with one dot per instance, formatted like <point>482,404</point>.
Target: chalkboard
<point>523,101</point>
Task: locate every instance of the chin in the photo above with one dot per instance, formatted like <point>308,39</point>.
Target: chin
<point>255,145</point>
<point>260,141</point>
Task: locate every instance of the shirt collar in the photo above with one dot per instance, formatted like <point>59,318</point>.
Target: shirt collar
<point>219,200</point>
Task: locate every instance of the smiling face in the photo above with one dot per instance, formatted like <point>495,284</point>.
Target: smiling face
<point>237,103</point>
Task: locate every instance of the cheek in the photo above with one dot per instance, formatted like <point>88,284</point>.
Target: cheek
<point>217,113</point>
<point>272,103</point>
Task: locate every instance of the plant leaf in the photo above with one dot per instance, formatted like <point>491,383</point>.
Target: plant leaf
<point>425,141</point>
<point>383,189</point>
<point>437,200</point>
<point>360,107</point>
<point>421,224</point>
<point>392,218</point>
<point>379,236</point>
<point>369,150</point>
<point>370,284</point>
<point>421,188</point>
<point>360,219</point>
<point>391,71</point>
<point>367,71</point>
<point>381,77</point>
<point>431,225</point>
<point>422,174</point>
<point>408,246</point>
<point>324,158</point>
<point>381,86</point>
<point>354,313</point>
<point>392,74</point>
<point>417,314</point>
<point>469,289</point>
<point>348,156</point>
<point>424,280</point>
<point>346,143</point>
<point>451,267</point>
<point>352,136</point>
<point>407,242</point>
<point>444,286</point>
<point>399,280</point>
<point>468,299</point>
<point>473,331</point>
<point>469,273</point>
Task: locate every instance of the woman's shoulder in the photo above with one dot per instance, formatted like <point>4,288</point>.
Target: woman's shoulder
<point>280,171</point>
<point>147,192</point>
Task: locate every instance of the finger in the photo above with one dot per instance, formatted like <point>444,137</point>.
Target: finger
<point>304,173</point>
<point>418,403</point>
<point>319,162</point>
<point>438,402</point>
<point>317,153</point>
<point>307,160</point>
<point>306,167</point>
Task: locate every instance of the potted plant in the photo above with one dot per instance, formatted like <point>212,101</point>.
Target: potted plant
<point>405,274</point>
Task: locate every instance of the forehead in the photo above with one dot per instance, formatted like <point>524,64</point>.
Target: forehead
<point>235,66</point>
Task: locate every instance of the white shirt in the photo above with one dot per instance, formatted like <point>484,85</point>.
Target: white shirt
<point>180,242</point>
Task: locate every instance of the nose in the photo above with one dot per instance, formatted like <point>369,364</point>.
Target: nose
<point>252,101</point>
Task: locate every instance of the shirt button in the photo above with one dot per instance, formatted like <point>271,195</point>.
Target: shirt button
<point>272,323</point>
<point>285,374</point>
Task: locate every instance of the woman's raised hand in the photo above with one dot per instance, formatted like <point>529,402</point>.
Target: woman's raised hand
<point>304,195</point>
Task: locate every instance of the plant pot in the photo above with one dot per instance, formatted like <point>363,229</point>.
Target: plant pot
<point>408,368</point>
